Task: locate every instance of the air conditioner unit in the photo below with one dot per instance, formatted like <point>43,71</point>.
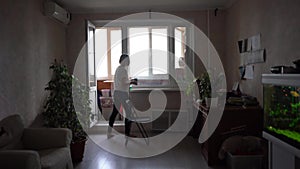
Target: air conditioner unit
<point>55,11</point>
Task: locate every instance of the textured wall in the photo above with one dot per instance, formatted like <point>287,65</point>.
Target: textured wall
<point>29,43</point>
<point>277,21</point>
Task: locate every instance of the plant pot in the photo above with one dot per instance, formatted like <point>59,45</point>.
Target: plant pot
<point>77,150</point>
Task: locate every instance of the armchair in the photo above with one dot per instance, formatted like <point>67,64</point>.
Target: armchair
<point>33,148</point>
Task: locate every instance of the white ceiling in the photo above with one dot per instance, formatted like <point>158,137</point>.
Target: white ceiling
<point>99,6</point>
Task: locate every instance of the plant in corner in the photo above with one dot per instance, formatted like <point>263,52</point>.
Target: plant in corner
<point>60,112</point>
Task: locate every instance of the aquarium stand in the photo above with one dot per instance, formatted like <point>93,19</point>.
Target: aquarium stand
<point>282,154</point>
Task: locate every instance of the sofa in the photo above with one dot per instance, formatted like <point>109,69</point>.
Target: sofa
<point>33,148</point>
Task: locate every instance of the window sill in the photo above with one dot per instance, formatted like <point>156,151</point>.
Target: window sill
<point>149,88</point>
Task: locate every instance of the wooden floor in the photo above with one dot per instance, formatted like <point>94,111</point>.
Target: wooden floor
<point>186,155</point>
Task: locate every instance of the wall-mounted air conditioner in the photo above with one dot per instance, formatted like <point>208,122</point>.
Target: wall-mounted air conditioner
<point>55,11</point>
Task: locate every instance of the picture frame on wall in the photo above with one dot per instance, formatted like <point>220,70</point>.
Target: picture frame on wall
<point>240,46</point>
<point>244,46</point>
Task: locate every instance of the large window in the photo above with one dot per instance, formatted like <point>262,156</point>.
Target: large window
<point>154,50</point>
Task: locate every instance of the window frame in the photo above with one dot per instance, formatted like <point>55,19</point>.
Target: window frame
<point>108,31</point>
<point>151,75</point>
<point>170,24</point>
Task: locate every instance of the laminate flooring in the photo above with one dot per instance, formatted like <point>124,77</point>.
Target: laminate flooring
<point>185,155</point>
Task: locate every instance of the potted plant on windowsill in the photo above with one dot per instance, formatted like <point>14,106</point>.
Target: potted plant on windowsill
<point>205,88</point>
<point>66,92</point>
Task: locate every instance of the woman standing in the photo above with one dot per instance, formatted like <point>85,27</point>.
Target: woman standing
<point>121,94</point>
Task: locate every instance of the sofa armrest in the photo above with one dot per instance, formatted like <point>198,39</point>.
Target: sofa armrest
<point>45,138</point>
<point>16,159</point>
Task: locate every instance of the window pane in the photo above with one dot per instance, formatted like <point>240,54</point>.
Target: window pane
<point>139,51</point>
<point>108,50</point>
<point>116,48</point>
<point>160,51</point>
<point>180,48</point>
<point>101,54</point>
<point>91,57</point>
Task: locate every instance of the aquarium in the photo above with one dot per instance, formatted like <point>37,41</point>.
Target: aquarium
<point>282,107</point>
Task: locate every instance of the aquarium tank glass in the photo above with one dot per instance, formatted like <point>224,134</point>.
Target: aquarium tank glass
<point>282,107</point>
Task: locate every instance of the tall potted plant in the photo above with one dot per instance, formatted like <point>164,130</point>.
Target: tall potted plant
<point>60,112</point>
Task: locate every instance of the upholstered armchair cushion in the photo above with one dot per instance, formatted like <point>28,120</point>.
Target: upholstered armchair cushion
<point>11,132</point>
<point>46,138</point>
<point>33,148</point>
<point>52,158</point>
<point>17,159</point>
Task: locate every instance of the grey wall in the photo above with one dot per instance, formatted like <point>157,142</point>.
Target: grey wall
<point>29,42</point>
<point>277,21</point>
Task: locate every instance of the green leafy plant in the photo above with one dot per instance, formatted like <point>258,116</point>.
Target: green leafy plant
<point>205,86</point>
<point>59,110</point>
<point>209,80</point>
<point>191,86</point>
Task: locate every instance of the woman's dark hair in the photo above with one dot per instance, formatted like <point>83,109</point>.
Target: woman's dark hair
<point>123,57</point>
